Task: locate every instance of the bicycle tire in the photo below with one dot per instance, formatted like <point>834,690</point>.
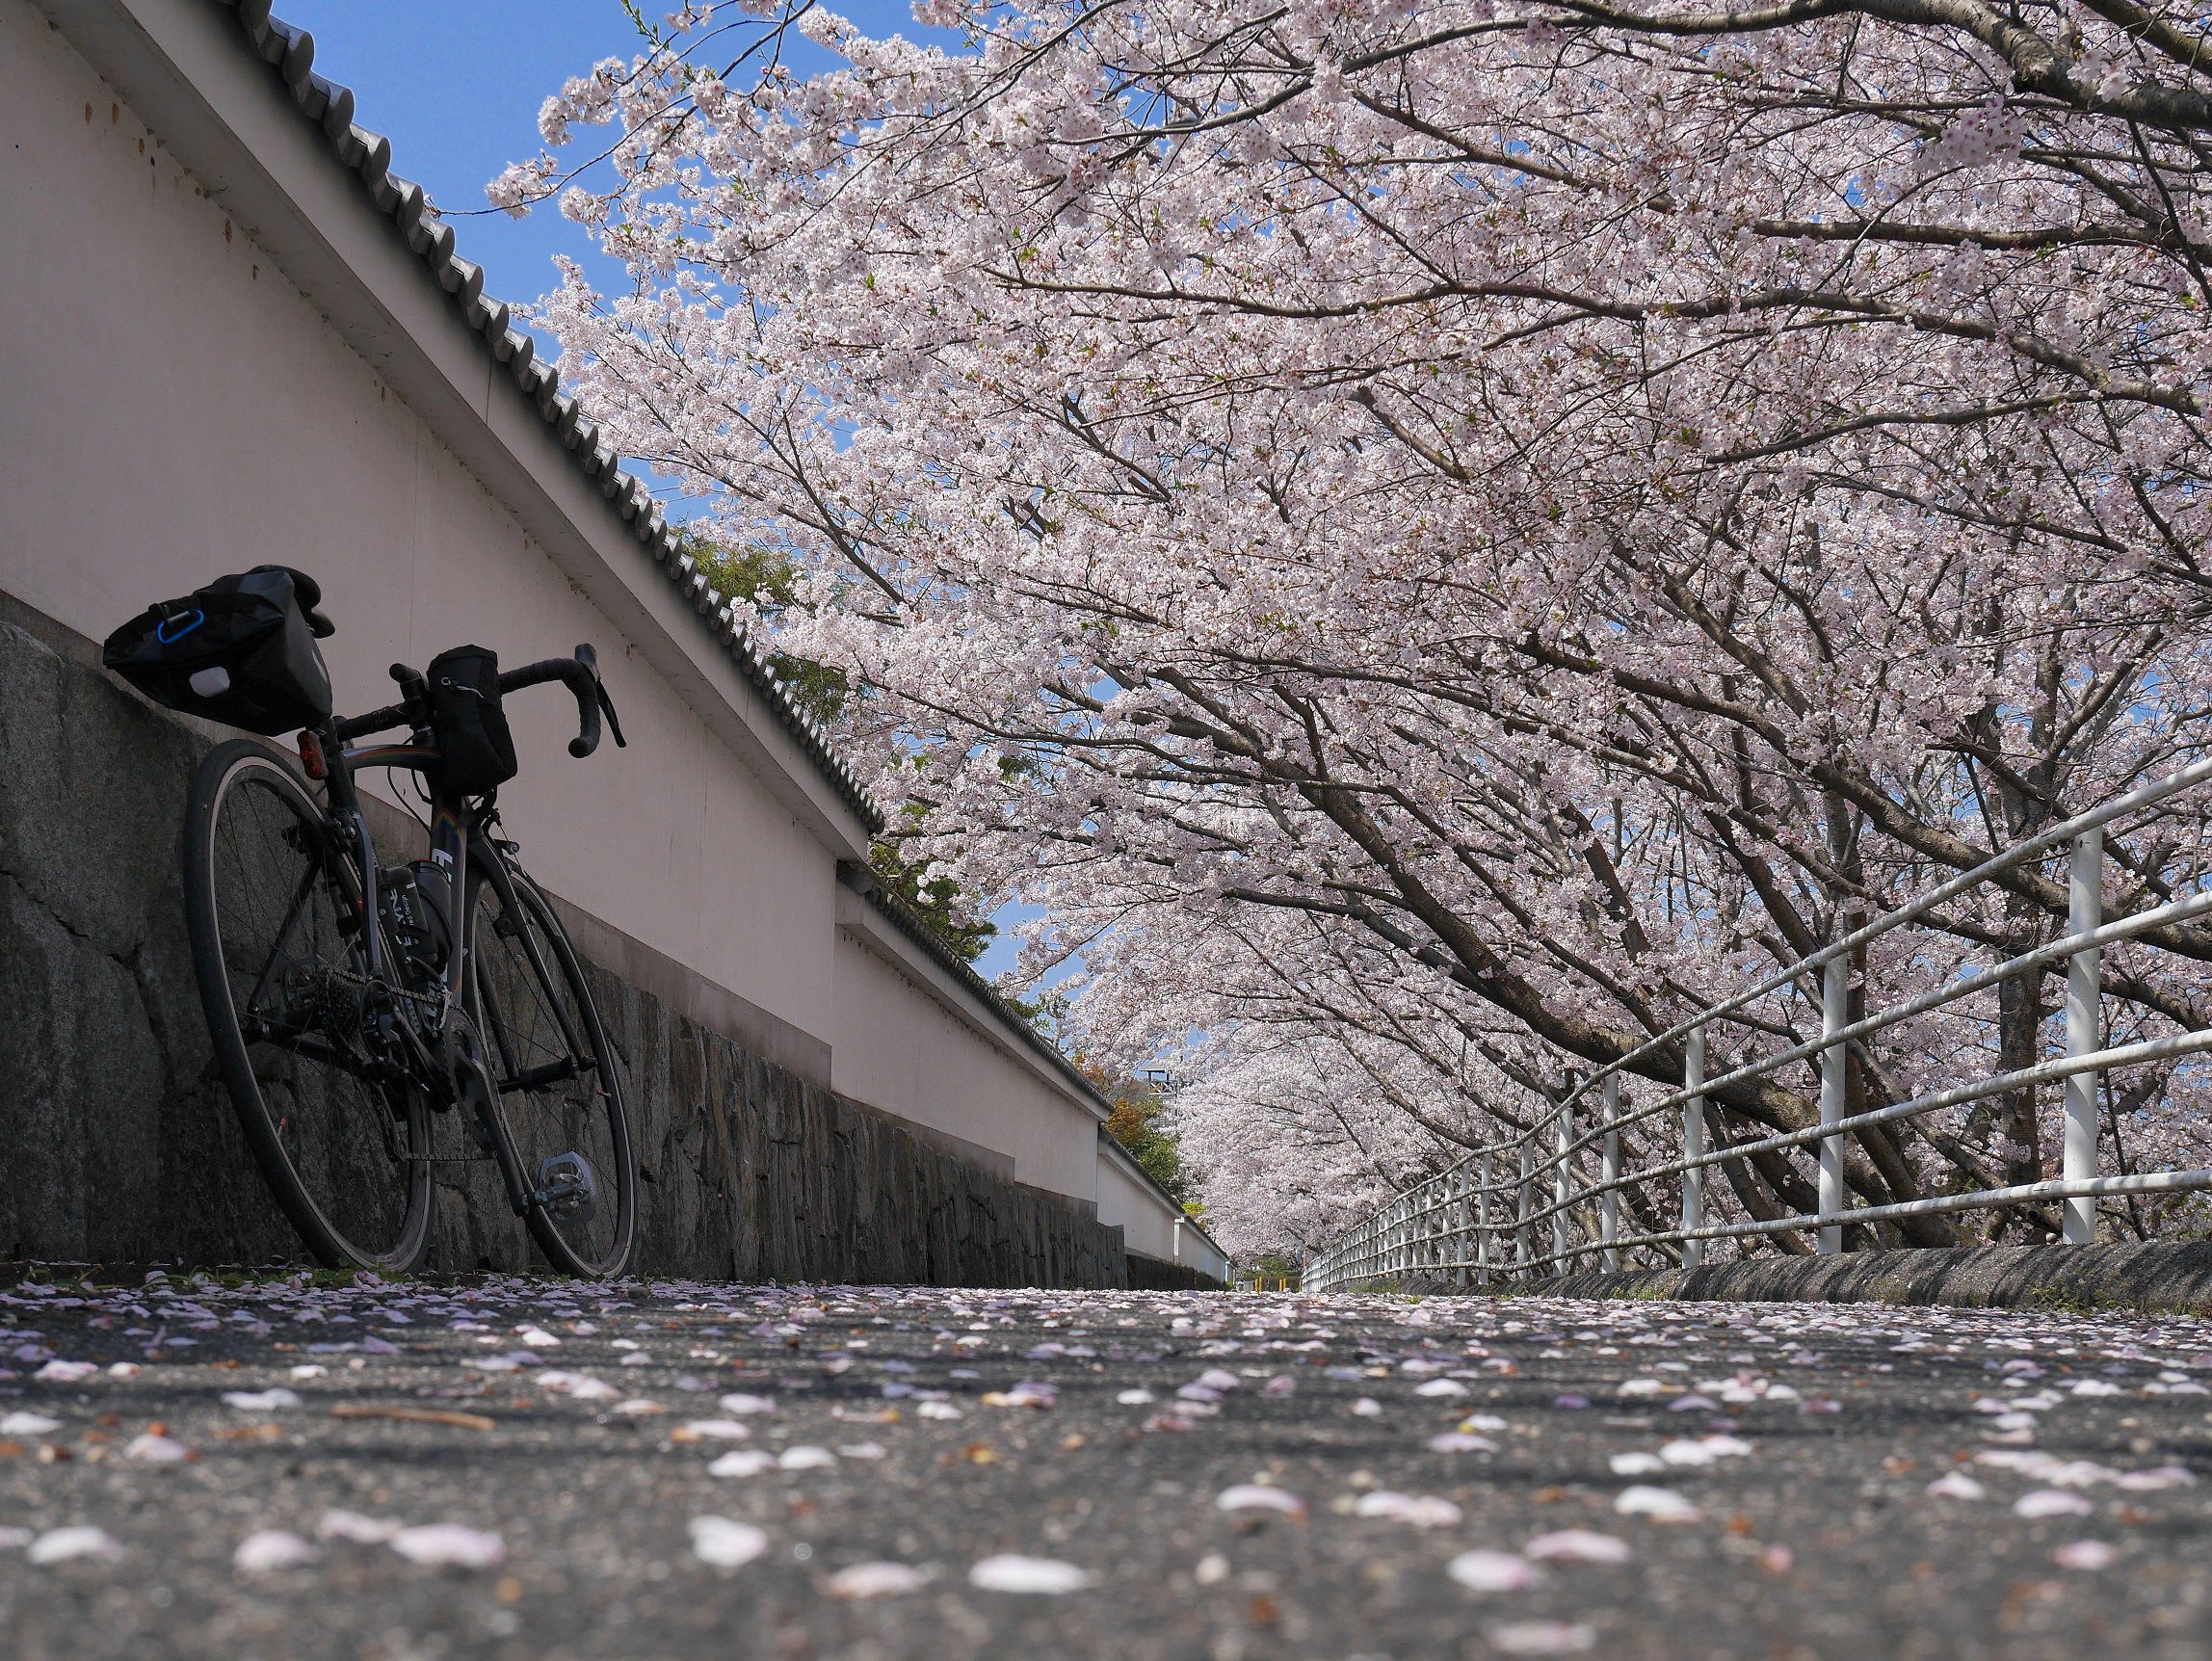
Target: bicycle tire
<point>519,997</point>
<point>346,1159</point>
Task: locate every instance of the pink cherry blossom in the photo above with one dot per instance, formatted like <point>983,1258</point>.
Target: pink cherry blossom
<point>1715,484</point>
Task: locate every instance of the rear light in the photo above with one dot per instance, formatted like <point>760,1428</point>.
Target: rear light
<point>312,755</point>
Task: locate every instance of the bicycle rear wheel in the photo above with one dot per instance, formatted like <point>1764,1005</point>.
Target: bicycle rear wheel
<point>272,904</point>
<point>560,1092</point>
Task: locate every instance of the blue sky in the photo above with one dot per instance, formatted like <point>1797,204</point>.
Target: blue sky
<point>456,86</point>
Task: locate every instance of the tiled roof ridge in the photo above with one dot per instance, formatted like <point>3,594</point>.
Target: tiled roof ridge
<point>290,53</point>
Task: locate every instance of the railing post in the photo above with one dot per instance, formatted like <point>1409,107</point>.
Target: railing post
<point>2085,910</point>
<point>1609,1203</point>
<point>1562,1190</point>
<point>1484,1247</point>
<point>1693,1146</point>
<point>1464,1253</point>
<point>1834,1061</point>
<point>1524,1242</point>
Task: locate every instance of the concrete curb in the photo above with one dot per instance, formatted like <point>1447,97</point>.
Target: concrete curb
<point>2160,1278</point>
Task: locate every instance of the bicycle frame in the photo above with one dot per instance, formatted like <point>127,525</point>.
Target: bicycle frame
<point>454,825</point>
<point>430,1029</point>
<point>357,967</point>
<point>448,839</point>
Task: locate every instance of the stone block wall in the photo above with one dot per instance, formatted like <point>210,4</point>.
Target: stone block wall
<point>1158,1275</point>
<point>117,1143</point>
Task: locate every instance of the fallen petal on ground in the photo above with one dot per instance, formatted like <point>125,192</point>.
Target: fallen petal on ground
<point>66,1544</point>
<point>726,1545</point>
<point>1659,1504</point>
<point>1493,1571</point>
<point>269,1549</point>
<point>451,1544</point>
<point>1260,1496</point>
<point>877,1580</point>
<point>274,1399</point>
<point>354,1526</point>
<point>1041,1577</point>
<point>712,1430</point>
<point>1577,1545</point>
<point>1422,1511</point>
<point>1540,1637</point>
<point>2053,1502</point>
<point>2086,1555</point>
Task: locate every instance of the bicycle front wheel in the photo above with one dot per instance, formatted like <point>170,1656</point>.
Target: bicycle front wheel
<point>560,1092</point>
<point>272,904</point>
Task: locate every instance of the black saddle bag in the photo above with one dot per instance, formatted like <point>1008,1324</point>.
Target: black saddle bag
<point>476,752</point>
<point>241,650</point>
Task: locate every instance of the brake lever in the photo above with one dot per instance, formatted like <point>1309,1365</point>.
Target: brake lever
<point>590,659</point>
<point>607,709</point>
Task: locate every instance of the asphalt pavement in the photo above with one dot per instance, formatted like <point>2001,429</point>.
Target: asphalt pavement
<point>538,1468</point>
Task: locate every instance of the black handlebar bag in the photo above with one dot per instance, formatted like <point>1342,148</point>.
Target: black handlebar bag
<point>476,752</point>
<point>241,650</point>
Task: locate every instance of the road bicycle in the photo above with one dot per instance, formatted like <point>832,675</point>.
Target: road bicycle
<point>374,1019</point>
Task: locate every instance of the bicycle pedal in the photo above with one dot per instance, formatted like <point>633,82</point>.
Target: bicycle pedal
<point>569,1187</point>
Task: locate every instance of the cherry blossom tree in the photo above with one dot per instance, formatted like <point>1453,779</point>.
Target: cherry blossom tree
<point>1435,538</point>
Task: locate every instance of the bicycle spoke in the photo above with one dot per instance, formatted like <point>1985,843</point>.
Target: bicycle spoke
<point>301,894</point>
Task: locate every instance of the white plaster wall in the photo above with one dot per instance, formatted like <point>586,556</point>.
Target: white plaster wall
<point>170,409</point>
<point>1147,1225</point>
<point>897,1048</point>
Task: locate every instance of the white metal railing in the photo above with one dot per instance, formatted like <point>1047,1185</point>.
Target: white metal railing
<point>1482,1219</point>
